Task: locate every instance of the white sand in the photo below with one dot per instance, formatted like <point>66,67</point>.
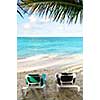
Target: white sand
<point>50,64</point>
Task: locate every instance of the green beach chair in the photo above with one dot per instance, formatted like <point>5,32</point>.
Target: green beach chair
<point>34,81</point>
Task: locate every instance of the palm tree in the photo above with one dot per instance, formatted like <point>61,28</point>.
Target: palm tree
<point>57,10</point>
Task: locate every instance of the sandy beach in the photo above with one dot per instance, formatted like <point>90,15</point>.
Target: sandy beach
<point>51,64</point>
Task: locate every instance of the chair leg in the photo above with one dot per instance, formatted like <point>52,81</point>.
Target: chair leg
<point>78,88</point>
<point>57,88</point>
<point>44,93</point>
<point>44,89</point>
<point>24,91</point>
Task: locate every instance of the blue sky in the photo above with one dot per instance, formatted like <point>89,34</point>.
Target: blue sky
<point>40,27</point>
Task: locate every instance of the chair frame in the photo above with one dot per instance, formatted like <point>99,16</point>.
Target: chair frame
<point>29,86</point>
<point>68,85</point>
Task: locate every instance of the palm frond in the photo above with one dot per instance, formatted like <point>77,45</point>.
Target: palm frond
<point>57,10</point>
<point>20,10</point>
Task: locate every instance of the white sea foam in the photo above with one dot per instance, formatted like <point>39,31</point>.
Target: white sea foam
<point>37,57</point>
<point>32,58</point>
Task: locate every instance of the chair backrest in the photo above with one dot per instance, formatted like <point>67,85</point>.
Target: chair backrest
<point>66,78</point>
<point>67,74</point>
<point>33,78</point>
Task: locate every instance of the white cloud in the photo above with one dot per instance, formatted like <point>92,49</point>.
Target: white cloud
<point>61,27</point>
<point>44,27</point>
<point>32,19</point>
<point>30,23</point>
<point>27,26</point>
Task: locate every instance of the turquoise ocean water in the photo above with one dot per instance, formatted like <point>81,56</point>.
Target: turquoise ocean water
<point>32,46</point>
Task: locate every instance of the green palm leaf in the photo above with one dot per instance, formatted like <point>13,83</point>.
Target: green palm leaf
<point>56,10</point>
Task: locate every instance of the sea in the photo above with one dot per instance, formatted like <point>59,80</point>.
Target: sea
<point>33,46</point>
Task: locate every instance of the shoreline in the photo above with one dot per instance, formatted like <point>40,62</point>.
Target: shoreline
<point>33,57</point>
<point>46,61</point>
<point>45,55</point>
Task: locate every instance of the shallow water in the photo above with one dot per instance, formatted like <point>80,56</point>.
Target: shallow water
<point>33,46</point>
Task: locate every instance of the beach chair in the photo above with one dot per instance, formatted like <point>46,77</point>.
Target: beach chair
<point>34,81</point>
<point>66,80</point>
